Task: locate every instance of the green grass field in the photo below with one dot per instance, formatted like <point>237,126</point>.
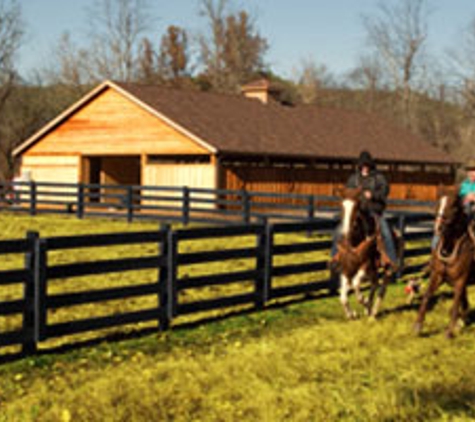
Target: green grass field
<point>298,362</point>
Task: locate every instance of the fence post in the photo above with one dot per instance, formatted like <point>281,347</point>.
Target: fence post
<point>401,224</point>
<point>246,206</point>
<point>80,201</point>
<point>33,198</point>
<point>186,206</point>
<point>129,200</point>
<point>40,285</point>
<point>264,264</point>
<point>29,346</point>
<point>172,270</point>
<point>164,293</point>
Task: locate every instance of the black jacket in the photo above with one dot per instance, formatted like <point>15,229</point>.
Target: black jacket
<point>377,184</point>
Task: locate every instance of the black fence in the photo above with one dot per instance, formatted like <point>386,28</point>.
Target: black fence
<point>264,246</point>
<point>172,204</point>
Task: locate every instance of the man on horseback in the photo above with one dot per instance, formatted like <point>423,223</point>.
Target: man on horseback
<point>374,193</point>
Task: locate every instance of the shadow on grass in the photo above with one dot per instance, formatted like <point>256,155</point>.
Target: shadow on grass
<point>455,400</point>
<point>144,332</point>
<point>414,306</point>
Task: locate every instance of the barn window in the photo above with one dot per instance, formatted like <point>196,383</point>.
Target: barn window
<point>438,169</point>
<point>178,159</point>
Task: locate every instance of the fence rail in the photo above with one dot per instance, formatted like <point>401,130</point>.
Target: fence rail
<point>172,204</point>
<point>261,245</point>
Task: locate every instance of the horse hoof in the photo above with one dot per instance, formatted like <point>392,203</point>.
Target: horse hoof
<point>449,335</point>
<point>417,328</point>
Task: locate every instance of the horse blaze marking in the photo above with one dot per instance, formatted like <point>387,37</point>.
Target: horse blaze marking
<point>443,205</point>
<point>348,206</point>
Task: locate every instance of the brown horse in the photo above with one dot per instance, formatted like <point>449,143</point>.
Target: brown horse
<point>451,260</point>
<point>358,256</point>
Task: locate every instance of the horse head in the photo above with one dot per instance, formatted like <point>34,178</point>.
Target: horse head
<point>450,211</point>
<point>354,222</point>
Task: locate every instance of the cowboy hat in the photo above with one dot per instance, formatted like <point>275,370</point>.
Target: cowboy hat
<point>365,159</point>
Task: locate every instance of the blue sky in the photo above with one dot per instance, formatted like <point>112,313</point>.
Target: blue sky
<point>328,32</point>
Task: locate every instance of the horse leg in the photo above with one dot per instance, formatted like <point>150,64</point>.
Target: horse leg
<point>387,276</point>
<point>455,310</point>
<point>344,290</point>
<point>464,305</point>
<point>373,276</point>
<point>357,286</point>
<point>434,282</point>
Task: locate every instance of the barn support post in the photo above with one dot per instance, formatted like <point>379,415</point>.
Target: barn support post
<point>40,286</point>
<point>310,211</point>
<point>33,198</point>
<point>164,292</point>
<point>80,201</point>
<point>246,206</point>
<point>186,206</point>
<point>401,225</point>
<point>29,345</point>
<point>129,201</point>
<point>311,207</point>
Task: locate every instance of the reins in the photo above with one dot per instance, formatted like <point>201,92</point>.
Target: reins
<point>455,251</point>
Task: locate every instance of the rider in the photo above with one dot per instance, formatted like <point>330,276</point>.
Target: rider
<point>467,190</point>
<point>467,193</point>
<point>375,190</point>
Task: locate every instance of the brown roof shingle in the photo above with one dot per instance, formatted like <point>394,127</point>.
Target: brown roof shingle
<point>238,125</point>
<point>235,124</point>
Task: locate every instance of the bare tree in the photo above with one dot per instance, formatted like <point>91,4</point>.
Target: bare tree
<point>398,34</point>
<point>116,29</point>
<point>462,68</point>
<point>11,37</point>
<point>147,63</point>
<point>311,78</point>
<point>72,65</point>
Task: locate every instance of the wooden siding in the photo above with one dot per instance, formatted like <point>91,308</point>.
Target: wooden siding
<point>56,168</point>
<point>63,169</point>
<point>192,175</point>
<point>308,181</point>
<point>114,125</point>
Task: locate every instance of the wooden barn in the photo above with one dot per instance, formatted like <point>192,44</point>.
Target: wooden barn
<point>134,134</point>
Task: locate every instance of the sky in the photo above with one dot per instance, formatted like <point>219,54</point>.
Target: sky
<point>328,32</point>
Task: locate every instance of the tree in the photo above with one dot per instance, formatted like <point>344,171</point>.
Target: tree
<point>147,64</point>
<point>398,34</point>
<point>311,78</point>
<point>72,65</point>
<point>116,29</point>
<point>11,37</point>
<point>174,58</point>
<point>233,51</point>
